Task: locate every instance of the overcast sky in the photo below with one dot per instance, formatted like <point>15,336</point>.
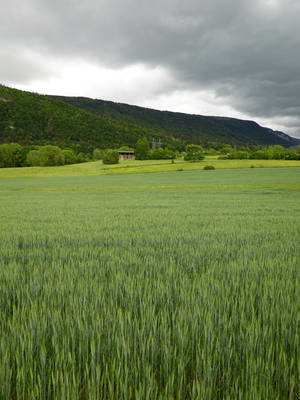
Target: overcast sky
<point>238,58</point>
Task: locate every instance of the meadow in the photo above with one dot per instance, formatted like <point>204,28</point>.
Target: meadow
<point>171,285</point>
<point>138,166</point>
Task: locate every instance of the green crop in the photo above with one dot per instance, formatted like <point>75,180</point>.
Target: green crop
<point>112,287</point>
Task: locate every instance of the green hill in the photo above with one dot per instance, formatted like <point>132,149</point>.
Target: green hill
<point>29,118</point>
<point>83,124</point>
<point>186,127</point>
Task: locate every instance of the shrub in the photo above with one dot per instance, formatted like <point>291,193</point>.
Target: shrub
<point>111,157</point>
<point>207,167</point>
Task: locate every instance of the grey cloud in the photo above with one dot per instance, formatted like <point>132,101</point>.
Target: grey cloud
<point>248,52</point>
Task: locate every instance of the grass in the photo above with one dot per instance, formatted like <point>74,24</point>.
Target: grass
<point>176,285</point>
<point>127,167</point>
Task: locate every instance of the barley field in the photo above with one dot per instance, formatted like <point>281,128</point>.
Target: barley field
<point>178,285</point>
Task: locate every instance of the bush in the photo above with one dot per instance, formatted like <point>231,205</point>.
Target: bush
<point>207,167</point>
<point>111,157</point>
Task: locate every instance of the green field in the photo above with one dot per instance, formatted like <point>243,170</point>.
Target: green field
<point>171,285</point>
<point>127,167</point>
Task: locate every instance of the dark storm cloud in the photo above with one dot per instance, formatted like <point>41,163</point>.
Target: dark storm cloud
<point>247,52</point>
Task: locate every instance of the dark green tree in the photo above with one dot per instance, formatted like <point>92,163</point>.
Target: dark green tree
<point>33,158</point>
<point>97,154</point>
<point>239,155</point>
<point>111,157</point>
<point>194,153</point>
<point>10,155</point>
<point>51,155</point>
<point>82,157</point>
<point>142,149</point>
<point>162,154</point>
<point>70,157</point>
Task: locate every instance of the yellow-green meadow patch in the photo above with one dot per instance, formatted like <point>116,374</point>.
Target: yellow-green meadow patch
<point>129,167</point>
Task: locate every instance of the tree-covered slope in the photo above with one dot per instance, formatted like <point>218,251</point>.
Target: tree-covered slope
<point>83,124</point>
<point>186,127</point>
<point>29,118</point>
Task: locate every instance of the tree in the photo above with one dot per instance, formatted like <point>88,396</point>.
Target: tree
<point>277,152</point>
<point>51,155</point>
<point>290,155</point>
<point>70,157</point>
<point>194,153</point>
<point>10,155</point>
<point>126,148</point>
<point>238,155</point>
<point>261,155</point>
<point>97,154</point>
<point>33,158</point>
<point>142,149</point>
<point>82,157</point>
<point>162,154</point>
<point>46,156</point>
<point>111,157</point>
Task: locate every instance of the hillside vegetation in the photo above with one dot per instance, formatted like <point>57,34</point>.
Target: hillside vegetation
<point>185,127</point>
<point>29,118</point>
<point>84,124</point>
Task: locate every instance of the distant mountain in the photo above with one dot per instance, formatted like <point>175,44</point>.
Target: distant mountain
<point>83,124</point>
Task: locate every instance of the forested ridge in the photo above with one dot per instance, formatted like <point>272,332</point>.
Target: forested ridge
<point>84,124</point>
<point>189,128</point>
<point>29,118</point>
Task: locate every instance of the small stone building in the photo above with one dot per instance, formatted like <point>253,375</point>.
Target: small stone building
<point>126,155</point>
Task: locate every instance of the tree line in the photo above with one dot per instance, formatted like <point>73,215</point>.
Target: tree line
<point>275,152</point>
<point>15,155</point>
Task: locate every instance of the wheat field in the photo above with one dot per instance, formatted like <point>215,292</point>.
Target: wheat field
<point>180,285</point>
